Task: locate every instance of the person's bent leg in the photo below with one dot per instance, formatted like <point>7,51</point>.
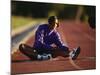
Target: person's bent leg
<point>28,51</point>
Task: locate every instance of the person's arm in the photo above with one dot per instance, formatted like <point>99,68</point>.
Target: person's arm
<point>61,45</point>
<point>39,38</point>
<point>58,41</point>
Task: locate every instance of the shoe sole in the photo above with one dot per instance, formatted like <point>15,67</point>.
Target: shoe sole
<point>77,53</point>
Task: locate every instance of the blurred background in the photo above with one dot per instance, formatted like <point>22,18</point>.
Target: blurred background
<point>25,12</point>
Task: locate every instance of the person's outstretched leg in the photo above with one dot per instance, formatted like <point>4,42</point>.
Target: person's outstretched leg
<point>64,51</point>
<point>28,51</point>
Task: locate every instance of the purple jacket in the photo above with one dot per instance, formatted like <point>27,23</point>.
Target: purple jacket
<point>44,38</point>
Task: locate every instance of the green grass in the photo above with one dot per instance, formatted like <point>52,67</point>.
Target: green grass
<point>18,21</point>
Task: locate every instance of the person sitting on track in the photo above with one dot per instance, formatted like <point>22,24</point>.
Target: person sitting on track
<point>45,36</point>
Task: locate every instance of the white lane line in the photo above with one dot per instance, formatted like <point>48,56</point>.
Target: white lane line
<point>85,58</point>
<point>23,28</point>
<point>78,59</point>
<point>75,65</point>
<point>85,34</point>
<point>89,37</point>
<point>15,48</point>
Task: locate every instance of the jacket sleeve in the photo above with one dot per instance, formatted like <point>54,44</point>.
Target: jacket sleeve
<point>58,41</point>
<point>39,38</point>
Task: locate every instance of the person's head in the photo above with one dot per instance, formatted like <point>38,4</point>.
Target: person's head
<point>53,22</point>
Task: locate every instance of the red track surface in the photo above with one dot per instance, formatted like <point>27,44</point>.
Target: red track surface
<point>74,35</point>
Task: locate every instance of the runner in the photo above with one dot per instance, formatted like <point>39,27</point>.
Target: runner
<point>47,35</point>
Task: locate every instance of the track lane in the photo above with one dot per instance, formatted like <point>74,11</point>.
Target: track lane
<point>74,37</point>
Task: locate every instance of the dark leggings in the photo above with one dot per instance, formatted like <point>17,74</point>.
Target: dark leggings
<point>33,52</point>
<point>28,51</point>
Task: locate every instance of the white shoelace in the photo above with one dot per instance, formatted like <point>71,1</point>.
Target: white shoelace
<point>72,53</point>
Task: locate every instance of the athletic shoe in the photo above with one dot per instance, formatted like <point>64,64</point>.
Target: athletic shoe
<point>74,54</point>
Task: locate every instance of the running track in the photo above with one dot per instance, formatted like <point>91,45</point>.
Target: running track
<point>72,33</point>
